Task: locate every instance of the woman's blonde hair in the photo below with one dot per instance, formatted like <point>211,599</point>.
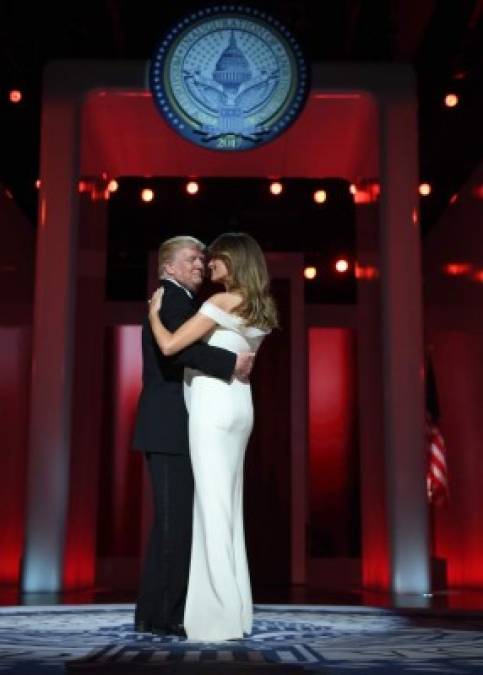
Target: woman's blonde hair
<point>247,275</point>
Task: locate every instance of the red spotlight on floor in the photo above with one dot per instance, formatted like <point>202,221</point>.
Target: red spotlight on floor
<point>342,265</point>
<point>147,195</point>
<point>276,188</point>
<point>451,100</point>
<point>15,96</point>
<point>424,189</point>
<point>320,196</point>
<point>192,188</point>
<point>310,272</point>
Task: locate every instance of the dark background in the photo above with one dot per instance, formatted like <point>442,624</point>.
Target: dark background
<point>442,40</point>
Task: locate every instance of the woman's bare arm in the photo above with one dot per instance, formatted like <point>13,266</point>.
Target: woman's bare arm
<point>191,331</point>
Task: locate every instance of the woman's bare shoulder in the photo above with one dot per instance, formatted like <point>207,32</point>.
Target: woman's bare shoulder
<point>226,301</point>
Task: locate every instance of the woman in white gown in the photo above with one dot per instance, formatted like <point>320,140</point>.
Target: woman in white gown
<point>219,602</point>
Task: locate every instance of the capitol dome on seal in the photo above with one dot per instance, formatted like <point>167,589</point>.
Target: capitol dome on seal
<point>232,68</point>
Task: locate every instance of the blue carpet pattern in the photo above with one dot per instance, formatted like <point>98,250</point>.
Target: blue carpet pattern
<point>333,640</point>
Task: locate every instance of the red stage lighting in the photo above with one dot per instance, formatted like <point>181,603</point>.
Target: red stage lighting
<point>113,185</point>
<point>15,96</point>
<point>366,193</point>
<point>366,272</point>
<point>457,269</point>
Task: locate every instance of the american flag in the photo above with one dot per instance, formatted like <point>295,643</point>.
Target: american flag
<point>437,475</point>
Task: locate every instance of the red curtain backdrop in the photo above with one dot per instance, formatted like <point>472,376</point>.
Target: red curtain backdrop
<point>15,345</point>
<point>458,526</point>
<point>87,397</point>
<point>119,533</point>
<point>333,454</point>
<point>267,464</point>
<point>17,268</point>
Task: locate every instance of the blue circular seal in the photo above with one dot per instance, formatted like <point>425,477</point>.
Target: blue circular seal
<point>229,78</point>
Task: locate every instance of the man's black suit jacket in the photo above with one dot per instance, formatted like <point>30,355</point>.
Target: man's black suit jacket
<point>162,418</point>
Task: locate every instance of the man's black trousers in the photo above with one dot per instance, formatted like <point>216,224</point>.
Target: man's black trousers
<point>165,572</point>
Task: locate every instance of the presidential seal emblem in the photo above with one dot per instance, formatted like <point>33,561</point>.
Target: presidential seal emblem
<point>229,78</point>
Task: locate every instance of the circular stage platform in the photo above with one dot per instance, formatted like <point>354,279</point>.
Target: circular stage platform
<point>334,640</point>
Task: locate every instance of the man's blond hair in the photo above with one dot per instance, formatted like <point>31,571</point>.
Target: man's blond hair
<point>169,247</point>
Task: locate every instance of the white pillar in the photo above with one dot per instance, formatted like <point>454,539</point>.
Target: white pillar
<point>53,333</point>
<point>66,87</point>
<point>403,382</point>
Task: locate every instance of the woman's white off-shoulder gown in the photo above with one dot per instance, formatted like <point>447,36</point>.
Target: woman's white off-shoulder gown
<point>219,600</point>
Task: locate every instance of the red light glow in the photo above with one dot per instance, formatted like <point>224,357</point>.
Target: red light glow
<point>457,269</point>
<point>366,272</point>
<point>15,96</point>
<point>367,193</point>
<point>478,191</point>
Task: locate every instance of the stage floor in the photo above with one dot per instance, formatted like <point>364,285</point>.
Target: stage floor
<point>330,639</point>
<point>273,595</point>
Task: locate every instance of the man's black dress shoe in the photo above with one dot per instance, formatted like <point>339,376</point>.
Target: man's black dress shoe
<point>159,630</point>
<point>141,626</point>
<point>176,629</point>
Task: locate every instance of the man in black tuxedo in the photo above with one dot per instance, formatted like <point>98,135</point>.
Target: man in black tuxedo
<point>161,432</point>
